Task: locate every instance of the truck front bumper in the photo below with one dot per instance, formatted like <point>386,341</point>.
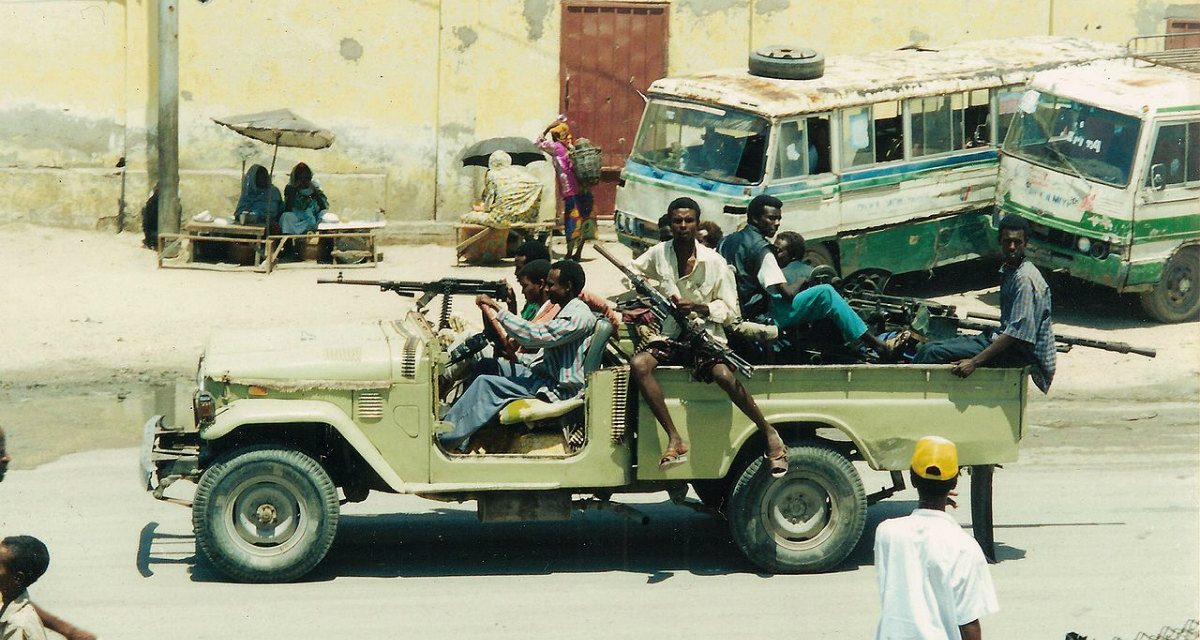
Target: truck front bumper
<point>167,454</point>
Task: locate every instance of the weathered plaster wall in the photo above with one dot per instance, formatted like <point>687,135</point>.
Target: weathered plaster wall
<point>405,84</point>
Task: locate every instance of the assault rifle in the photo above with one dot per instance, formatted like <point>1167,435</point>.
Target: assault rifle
<point>691,327</point>
<point>446,287</point>
<point>1064,342</point>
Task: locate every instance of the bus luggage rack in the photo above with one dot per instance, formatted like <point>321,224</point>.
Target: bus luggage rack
<point>1181,50</point>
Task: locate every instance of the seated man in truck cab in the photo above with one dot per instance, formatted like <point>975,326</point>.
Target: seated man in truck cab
<point>1026,335</point>
<point>699,281</point>
<point>762,288</point>
<point>557,376</point>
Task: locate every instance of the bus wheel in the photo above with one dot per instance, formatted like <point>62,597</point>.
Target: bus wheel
<point>807,521</point>
<point>1176,297</point>
<point>817,255</point>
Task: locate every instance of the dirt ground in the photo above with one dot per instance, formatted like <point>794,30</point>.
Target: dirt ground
<point>91,332</point>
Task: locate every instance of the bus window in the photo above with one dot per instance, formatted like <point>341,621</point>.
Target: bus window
<point>858,137</point>
<point>804,148</point>
<point>820,146</point>
<point>1007,99</point>
<point>889,132</point>
<point>719,144</point>
<point>1174,156</point>
<point>976,119</point>
<point>872,134</point>
<point>937,124</point>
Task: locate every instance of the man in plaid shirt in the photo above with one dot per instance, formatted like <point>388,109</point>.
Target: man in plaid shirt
<point>1025,336</point>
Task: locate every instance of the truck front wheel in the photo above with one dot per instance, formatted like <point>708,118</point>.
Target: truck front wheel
<point>265,514</point>
<point>804,522</point>
<point>1176,298</point>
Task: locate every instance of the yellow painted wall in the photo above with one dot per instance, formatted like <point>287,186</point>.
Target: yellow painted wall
<point>405,85</point>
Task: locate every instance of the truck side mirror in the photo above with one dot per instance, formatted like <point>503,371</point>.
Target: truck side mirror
<point>1158,177</point>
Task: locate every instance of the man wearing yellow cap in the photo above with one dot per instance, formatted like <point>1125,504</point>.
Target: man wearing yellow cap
<point>933,577</point>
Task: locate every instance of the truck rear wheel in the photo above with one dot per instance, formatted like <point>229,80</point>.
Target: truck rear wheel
<point>804,522</point>
<point>265,514</point>
<point>1176,298</point>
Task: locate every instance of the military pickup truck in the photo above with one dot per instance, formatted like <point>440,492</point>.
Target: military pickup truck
<point>289,424</point>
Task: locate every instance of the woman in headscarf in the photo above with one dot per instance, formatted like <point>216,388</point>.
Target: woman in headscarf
<point>510,193</point>
<point>303,202</point>
<point>577,200</point>
<point>260,202</point>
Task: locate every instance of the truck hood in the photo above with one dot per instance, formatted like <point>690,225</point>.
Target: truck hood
<point>340,356</point>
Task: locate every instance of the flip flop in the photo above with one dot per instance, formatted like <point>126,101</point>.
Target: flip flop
<point>671,458</point>
<point>778,464</point>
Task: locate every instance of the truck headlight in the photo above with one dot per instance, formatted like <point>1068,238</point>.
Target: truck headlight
<point>204,407</point>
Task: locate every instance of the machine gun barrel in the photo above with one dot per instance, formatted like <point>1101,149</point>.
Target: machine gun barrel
<point>663,308</point>
<point>1068,341</point>
<point>445,287</point>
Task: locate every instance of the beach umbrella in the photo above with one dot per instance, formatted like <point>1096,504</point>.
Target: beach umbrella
<point>281,128</point>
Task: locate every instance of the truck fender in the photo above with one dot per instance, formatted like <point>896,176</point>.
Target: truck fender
<point>269,411</point>
<point>781,420</point>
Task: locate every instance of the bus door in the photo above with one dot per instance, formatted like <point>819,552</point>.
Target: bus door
<point>802,176</point>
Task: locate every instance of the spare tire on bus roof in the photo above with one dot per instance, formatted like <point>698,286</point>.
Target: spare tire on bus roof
<point>787,63</point>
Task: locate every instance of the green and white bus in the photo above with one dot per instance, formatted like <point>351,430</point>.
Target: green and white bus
<point>1104,161</point>
<point>886,163</point>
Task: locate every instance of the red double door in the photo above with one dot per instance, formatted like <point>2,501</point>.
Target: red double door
<point>610,52</point>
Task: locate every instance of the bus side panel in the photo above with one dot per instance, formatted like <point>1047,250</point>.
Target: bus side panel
<point>922,245</point>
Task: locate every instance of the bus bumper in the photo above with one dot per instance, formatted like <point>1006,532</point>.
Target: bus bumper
<point>1110,271</point>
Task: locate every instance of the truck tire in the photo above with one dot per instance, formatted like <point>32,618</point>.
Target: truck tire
<point>805,522</point>
<point>1176,298</point>
<point>786,63</point>
<point>265,514</point>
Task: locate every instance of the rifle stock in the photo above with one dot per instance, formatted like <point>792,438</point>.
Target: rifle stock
<point>663,308</point>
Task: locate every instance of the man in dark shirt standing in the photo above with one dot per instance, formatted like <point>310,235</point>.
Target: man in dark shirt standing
<point>1025,336</point>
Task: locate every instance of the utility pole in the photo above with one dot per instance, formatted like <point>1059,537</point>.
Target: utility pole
<point>168,120</point>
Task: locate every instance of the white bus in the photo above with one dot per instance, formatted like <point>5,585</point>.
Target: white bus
<point>1104,161</point>
<point>886,163</point>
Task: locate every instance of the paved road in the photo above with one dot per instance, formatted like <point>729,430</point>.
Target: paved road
<point>1098,530</point>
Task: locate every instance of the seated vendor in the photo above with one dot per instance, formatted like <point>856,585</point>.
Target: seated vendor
<point>303,202</point>
<point>510,194</point>
<point>564,340</point>
<point>260,202</point>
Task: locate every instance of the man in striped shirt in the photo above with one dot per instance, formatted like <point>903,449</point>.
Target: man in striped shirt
<point>564,341</point>
<point>1025,336</point>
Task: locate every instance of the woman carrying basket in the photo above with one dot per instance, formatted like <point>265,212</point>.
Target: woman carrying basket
<point>577,199</point>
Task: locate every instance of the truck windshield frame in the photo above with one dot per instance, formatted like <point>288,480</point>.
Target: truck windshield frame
<point>714,143</point>
<point>1074,137</point>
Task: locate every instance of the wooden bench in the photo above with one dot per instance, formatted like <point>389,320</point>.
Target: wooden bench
<point>486,243</point>
<point>251,246</point>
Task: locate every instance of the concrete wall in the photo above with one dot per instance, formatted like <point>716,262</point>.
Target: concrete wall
<point>405,85</point>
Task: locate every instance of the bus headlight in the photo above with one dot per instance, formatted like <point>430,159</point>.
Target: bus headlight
<point>1084,244</point>
<point>1099,250</point>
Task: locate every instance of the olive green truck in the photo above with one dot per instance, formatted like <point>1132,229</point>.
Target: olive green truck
<point>289,424</point>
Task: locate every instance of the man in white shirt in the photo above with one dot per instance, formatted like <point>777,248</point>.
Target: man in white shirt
<point>23,559</point>
<point>933,578</point>
<point>697,280</point>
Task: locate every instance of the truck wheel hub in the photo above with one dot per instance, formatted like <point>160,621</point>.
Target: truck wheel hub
<point>796,509</point>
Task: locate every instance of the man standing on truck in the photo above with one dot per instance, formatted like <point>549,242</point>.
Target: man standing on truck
<point>763,289</point>
<point>933,578</point>
<point>1026,335</point>
<point>698,280</point>
<point>557,376</point>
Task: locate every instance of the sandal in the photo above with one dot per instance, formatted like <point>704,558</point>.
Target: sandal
<point>672,458</point>
<point>778,463</point>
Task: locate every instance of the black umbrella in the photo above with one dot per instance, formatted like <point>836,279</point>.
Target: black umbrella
<point>523,151</point>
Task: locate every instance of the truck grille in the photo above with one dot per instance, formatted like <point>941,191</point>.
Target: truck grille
<point>620,404</point>
<point>368,406</point>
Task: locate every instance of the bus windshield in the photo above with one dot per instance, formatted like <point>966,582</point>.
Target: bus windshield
<point>1073,137</point>
<point>711,142</point>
